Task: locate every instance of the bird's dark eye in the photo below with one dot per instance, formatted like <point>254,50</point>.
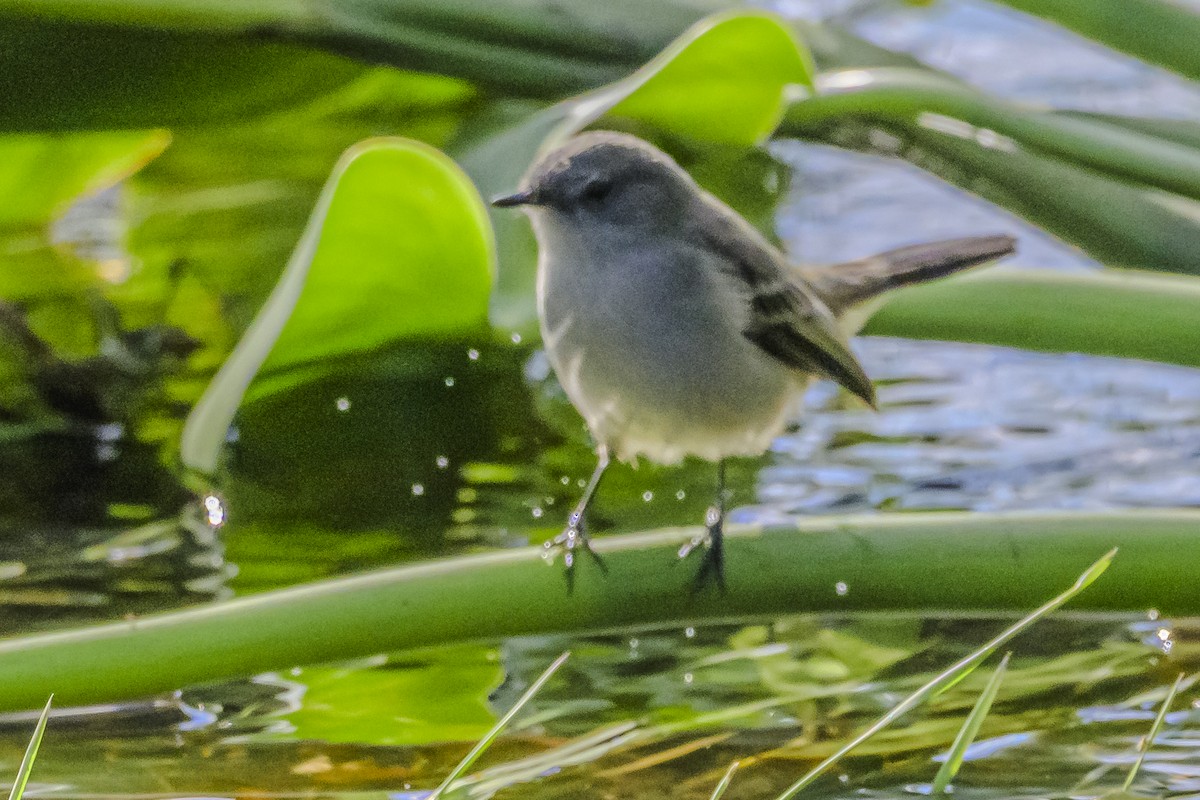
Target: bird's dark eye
<point>595,191</point>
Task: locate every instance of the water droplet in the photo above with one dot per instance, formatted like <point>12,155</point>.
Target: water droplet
<point>689,632</point>
<point>442,462</point>
<point>537,512</point>
<point>688,678</point>
<point>449,381</point>
<point>680,494</point>
<point>633,644</point>
<point>581,483</point>
<point>473,354</point>
<point>418,489</point>
<point>214,511</point>
<point>647,496</point>
<point>1152,614</point>
<point>565,480</point>
<point>342,403</point>
<point>841,588</point>
<point>924,788</point>
<point>516,338</point>
<point>110,432</point>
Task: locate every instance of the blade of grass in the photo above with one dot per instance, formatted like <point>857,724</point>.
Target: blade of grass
<point>660,757</point>
<point>491,735</point>
<point>19,783</point>
<point>969,730</point>
<point>724,784</point>
<point>585,750</point>
<point>1156,695</point>
<point>1146,743</point>
<point>954,674</point>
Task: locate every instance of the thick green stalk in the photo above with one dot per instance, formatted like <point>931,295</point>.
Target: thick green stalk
<point>543,49</point>
<point>1122,313</point>
<point>900,562</point>
<point>1117,222</point>
<point>1158,31</point>
<point>914,96</point>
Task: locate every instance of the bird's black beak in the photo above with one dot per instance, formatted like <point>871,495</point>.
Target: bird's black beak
<point>522,198</point>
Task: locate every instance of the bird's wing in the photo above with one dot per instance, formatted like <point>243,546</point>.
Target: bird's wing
<point>786,320</point>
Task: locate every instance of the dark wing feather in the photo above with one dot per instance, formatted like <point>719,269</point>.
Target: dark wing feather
<point>786,320</point>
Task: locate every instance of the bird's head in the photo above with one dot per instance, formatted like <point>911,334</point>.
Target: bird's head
<point>606,179</point>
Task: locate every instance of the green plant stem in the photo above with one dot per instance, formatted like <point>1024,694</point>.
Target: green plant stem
<point>908,95</point>
<point>992,562</point>
<point>1122,313</point>
<point>543,49</point>
<point>1157,31</point>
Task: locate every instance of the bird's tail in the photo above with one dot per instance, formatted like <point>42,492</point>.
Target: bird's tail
<point>843,286</point>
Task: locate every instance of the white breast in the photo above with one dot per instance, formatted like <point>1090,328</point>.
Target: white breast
<point>646,340</point>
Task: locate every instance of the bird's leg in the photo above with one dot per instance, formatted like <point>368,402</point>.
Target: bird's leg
<point>712,539</point>
<point>575,535</point>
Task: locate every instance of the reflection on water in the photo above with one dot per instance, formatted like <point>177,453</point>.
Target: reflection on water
<point>985,428</point>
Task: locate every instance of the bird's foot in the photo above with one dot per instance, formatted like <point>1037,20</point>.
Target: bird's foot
<point>712,563</point>
<point>568,542</point>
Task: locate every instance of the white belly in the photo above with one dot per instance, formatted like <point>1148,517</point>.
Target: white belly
<point>660,367</point>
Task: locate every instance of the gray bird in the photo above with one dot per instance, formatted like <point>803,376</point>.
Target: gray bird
<point>675,328</point>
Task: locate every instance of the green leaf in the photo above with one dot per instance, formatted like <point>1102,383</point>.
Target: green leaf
<point>434,695</point>
<point>723,81</point>
<point>398,247</point>
<point>970,729</point>
<point>42,175</point>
